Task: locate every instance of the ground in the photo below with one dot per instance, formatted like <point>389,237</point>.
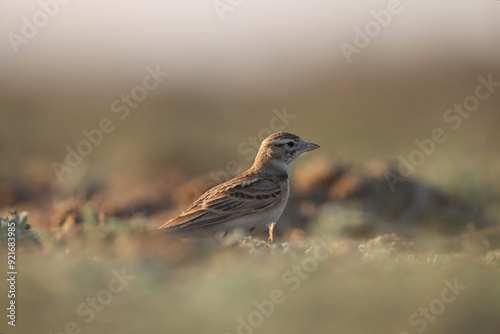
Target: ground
<point>349,255</point>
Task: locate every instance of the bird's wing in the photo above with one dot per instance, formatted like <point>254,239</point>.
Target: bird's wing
<point>227,201</point>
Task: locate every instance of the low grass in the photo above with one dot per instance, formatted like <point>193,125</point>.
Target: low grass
<point>118,278</point>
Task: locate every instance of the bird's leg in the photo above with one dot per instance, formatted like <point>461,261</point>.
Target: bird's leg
<point>271,233</point>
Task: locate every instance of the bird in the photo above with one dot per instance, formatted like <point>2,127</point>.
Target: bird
<point>251,200</point>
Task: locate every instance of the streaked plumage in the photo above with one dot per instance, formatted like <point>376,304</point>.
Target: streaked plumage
<point>250,200</point>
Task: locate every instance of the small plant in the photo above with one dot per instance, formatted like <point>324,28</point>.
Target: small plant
<point>21,228</point>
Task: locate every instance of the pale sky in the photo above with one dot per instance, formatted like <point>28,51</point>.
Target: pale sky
<point>259,45</point>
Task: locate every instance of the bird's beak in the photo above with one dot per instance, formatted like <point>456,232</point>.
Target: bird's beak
<point>310,147</point>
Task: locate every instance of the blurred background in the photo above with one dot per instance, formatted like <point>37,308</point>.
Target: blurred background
<point>237,70</point>
<point>226,76</point>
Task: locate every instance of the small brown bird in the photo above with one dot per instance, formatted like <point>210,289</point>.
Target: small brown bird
<point>251,200</point>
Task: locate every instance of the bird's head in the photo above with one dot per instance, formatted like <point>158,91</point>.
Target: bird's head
<point>281,149</point>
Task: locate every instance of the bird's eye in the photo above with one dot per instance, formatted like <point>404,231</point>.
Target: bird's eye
<point>290,144</point>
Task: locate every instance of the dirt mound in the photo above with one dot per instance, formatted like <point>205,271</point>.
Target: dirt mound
<point>410,203</point>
